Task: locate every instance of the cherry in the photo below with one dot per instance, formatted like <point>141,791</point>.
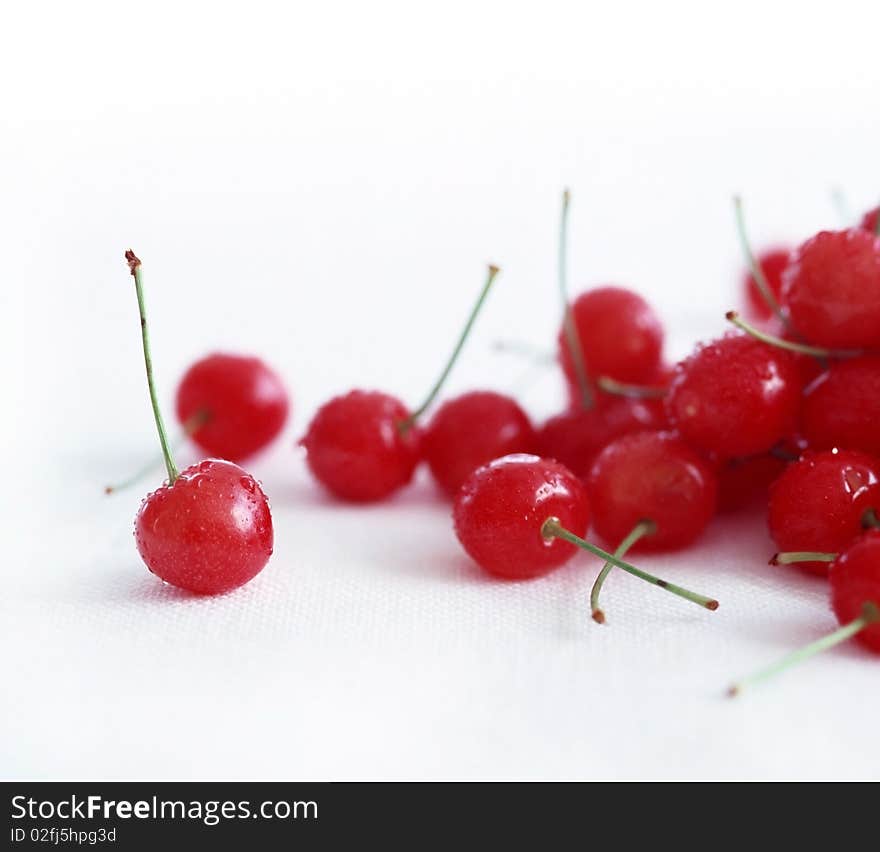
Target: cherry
<point>822,502</point>
<point>652,476</point>
<point>855,599</point>
<point>365,445</point>
<point>517,515</point>
<point>735,396</point>
<point>208,529</point>
<point>241,402</point>
<point>744,482</point>
<point>773,262</point>
<point>470,430</point>
<point>831,289</point>
<point>842,407</point>
<point>871,221</point>
<point>575,437</point>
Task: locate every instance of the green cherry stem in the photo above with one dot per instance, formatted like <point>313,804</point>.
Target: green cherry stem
<point>134,266</point>
<point>199,419</point>
<point>870,615</point>
<point>640,530</point>
<point>409,422</point>
<point>552,528</point>
<point>572,336</point>
<point>754,266</point>
<point>617,388</point>
<point>792,557</point>
<point>802,348</point>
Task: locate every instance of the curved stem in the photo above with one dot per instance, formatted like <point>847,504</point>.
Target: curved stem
<point>617,388</point>
<point>870,615</point>
<point>792,557</point>
<point>192,425</point>
<point>871,520</point>
<point>572,336</point>
<point>552,528</point>
<point>802,348</point>
<point>640,530</point>
<point>134,266</point>
<point>754,266</point>
<point>406,425</point>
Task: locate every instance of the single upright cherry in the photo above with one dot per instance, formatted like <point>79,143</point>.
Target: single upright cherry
<point>365,445</point>
<point>575,437</point>
<point>239,401</point>
<point>208,529</point>
<point>855,599</point>
<point>735,396</point>
<point>831,289</point>
<point>470,430</point>
<point>821,503</point>
<point>518,515</point>
<point>842,407</point>
<point>773,262</point>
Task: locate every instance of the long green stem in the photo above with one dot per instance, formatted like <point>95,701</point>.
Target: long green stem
<point>406,425</point>
<point>189,429</point>
<point>552,528</point>
<point>617,388</point>
<point>755,267</point>
<point>640,530</point>
<point>572,336</point>
<point>134,265</point>
<point>802,348</point>
<point>792,557</point>
<point>870,615</point>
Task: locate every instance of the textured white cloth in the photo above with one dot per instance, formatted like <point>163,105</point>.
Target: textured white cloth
<point>324,191</point>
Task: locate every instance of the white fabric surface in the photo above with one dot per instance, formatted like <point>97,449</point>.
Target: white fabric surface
<point>323,188</point>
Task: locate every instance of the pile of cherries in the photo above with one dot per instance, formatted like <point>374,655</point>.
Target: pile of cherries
<point>784,408</point>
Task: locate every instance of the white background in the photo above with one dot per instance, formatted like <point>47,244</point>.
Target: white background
<point>322,184</point>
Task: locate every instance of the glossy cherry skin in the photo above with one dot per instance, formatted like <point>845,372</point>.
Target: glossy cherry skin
<point>745,483</point>
<point>735,397</point>
<point>818,503</point>
<point>869,221</point>
<point>576,437</point>
<point>831,289</point>
<point>501,507</point>
<point>356,449</point>
<point>620,336</point>
<point>855,581</point>
<point>243,401</point>
<point>651,476</point>
<point>470,430</point>
<point>842,408</point>
<point>772,262</point>
<point>209,532</point>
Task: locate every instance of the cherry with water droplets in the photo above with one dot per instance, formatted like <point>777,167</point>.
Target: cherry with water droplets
<point>469,430</point>
<point>821,503</point>
<point>208,529</point>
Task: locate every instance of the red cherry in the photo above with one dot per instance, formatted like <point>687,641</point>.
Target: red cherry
<point>842,408</point>
<point>652,476</point>
<point>855,599</point>
<point>869,221</point>
<point>855,583</point>
<point>575,437</point>
<point>470,430</point>
<point>365,445</point>
<point>209,531</point>
<point>620,336</point>
<point>735,396</point>
<point>819,503</point>
<point>501,509</point>
<point>743,483</point>
<point>241,401</point>
<point>356,446</point>
<point>773,262</point>
<point>831,289</point>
